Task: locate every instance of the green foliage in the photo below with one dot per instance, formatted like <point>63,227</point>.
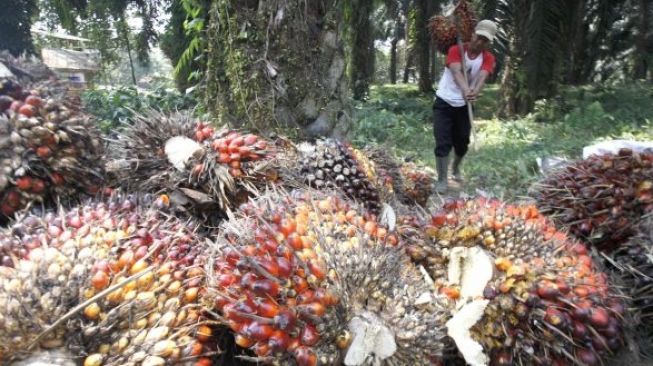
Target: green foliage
<point>114,107</point>
<point>503,160</point>
<point>16,19</point>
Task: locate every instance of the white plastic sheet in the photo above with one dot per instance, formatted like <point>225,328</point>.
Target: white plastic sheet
<point>613,147</point>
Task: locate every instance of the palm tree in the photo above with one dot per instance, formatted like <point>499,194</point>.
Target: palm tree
<point>272,64</point>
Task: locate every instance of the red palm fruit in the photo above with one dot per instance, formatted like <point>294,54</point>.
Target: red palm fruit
<point>309,336</point>
<point>13,199</point>
<point>270,265</point>
<point>6,210</point>
<point>579,330</point>
<point>43,152</point>
<point>599,317</point>
<point>288,226</point>
<point>237,141</point>
<point>314,309</point>
<point>267,308</point>
<point>305,297</point>
<point>235,164</point>
<point>285,267</point>
<point>250,139</point>
<point>100,280</point>
<point>587,357</point>
<point>553,316</point>
<point>34,101</point>
<point>262,349</point>
<point>326,297</point>
<point>27,110</point>
<point>295,241</point>
<point>199,136</point>
<point>243,341</point>
<point>258,331</point>
<point>305,356</point>
<point>279,341</point>
<point>224,158</point>
<point>265,287</point>
<point>285,320</point>
<point>548,290</point>
<point>318,268</point>
<point>57,179</point>
<point>24,183</point>
<point>38,186</point>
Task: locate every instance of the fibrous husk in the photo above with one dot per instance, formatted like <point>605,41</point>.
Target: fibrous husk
<point>48,151</point>
<point>203,170</point>
<point>443,28</point>
<point>600,198</point>
<point>114,282</point>
<point>308,279</point>
<point>548,302</point>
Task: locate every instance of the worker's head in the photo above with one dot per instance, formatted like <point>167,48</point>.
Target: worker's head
<point>484,34</point>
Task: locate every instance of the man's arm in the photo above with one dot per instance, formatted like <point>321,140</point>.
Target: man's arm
<point>457,71</point>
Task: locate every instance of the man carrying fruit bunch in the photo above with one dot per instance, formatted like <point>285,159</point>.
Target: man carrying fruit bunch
<point>451,122</point>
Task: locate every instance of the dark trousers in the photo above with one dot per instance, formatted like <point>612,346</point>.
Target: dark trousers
<point>451,128</point>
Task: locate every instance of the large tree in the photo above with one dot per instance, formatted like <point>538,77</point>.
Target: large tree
<point>278,64</point>
<point>16,20</point>
<point>362,49</point>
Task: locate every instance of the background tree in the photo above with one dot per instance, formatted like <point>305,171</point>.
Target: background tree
<point>16,19</point>
<point>358,15</point>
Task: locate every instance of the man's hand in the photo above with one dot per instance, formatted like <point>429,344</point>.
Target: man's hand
<point>470,95</point>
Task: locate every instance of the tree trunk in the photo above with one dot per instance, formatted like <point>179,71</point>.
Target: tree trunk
<point>362,48</point>
<point>574,45</point>
<point>423,43</point>
<point>393,61</point>
<point>515,96</point>
<point>273,65</point>
<point>641,55</point>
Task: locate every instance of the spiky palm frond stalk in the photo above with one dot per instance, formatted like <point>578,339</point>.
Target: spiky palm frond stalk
<point>600,198</point>
<point>113,282</point>
<point>199,167</point>
<point>308,279</point>
<point>47,150</point>
<point>546,301</point>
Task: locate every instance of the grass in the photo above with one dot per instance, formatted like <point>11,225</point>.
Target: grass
<point>503,159</point>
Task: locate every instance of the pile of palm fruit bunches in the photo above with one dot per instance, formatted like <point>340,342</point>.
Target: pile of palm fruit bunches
<point>606,202</point>
<point>48,150</point>
<point>233,248</point>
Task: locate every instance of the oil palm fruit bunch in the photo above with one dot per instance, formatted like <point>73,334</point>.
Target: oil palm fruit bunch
<point>537,295</point>
<point>632,265</point>
<point>331,164</point>
<point>47,150</point>
<point>115,282</point>
<point>417,183</point>
<point>443,27</point>
<point>600,198</point>
<point>311,279</point>
<point>202,168</point>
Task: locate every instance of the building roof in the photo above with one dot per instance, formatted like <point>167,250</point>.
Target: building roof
<point>60,35</point>
<point>61,58</point>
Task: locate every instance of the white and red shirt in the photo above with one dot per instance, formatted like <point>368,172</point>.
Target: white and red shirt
<point>447,88</point>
